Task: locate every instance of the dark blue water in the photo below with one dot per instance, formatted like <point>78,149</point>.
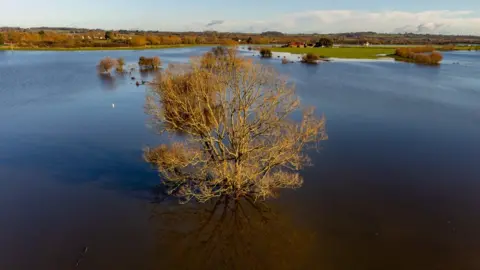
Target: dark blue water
<point>395,187</point>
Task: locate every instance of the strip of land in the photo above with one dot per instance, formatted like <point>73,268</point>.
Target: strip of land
<point>343,52</point>
<point>151,47</point>
<point>351,52</point>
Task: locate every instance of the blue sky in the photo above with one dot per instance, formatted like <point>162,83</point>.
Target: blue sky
<point>442,16</point>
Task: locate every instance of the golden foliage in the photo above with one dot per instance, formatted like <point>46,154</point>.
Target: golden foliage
<point>239,140</point>
<point>149,63</point>
<point>106,64</point>
<point>138,41</point>
<point>120,64</point>
<point>228,42</point>
<point>310,58</point>
<point>153,40</point>
<point>420,55</point>
<point>171,40</point>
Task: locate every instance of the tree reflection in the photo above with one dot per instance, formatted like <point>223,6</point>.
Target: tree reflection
<point>229,234</point>
<point>107,81</point>
<point>145,74</point>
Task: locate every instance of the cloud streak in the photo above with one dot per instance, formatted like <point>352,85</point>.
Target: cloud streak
<point>333,21</point>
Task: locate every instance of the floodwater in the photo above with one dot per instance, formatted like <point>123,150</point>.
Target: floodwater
<point>396,186</point>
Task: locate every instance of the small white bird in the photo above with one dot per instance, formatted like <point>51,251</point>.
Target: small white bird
<point>113,105</point>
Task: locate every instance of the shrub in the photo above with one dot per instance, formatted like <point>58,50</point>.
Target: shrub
<point>420,55</point>
<point>405,51</point>
<point>120,64</point>
<point>106,64</point>
<point>156,63</point>
<point>435,58</point>
<point>310,58</point>
<point>265,53</point>
<point>149,63</point>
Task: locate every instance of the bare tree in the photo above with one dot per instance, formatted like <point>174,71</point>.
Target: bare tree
<point>239,140</point>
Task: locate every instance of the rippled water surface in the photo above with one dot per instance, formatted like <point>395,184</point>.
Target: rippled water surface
<point>396,186</point>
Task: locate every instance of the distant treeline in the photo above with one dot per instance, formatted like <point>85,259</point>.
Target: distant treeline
<point>53,39</point>
<point>73,37</point>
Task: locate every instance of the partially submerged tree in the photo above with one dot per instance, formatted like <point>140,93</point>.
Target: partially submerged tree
<point>146,63</point>
<point>238,138</point>
<point>106,64</point>
<point>156,63</point>
<point>265,53</point>
<point>120,64</point>
<point>310,58</point>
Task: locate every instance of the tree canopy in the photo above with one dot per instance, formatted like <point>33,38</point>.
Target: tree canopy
<point>238,140</point>
<point>324,42</point>
<point>108,35</point>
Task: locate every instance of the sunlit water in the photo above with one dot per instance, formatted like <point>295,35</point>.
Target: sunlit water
<point>395,187</point>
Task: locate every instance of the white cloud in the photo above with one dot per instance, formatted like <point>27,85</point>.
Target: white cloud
<point>333,21</point>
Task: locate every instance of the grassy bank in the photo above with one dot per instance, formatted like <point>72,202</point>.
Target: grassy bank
<point>5,48</point>
<point>347,52</point>
<point>459,48</point>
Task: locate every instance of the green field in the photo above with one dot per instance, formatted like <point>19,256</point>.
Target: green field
<point>4,48</point>
<point>347,52</point>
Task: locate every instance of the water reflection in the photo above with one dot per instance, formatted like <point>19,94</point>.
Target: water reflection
<point>229,234</point>
<point>107,81</point>
<point>147,73</point>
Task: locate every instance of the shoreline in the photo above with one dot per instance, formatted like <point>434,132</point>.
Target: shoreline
<point>296,56</point>
<point>156,47</point>
<point>372,53</point>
